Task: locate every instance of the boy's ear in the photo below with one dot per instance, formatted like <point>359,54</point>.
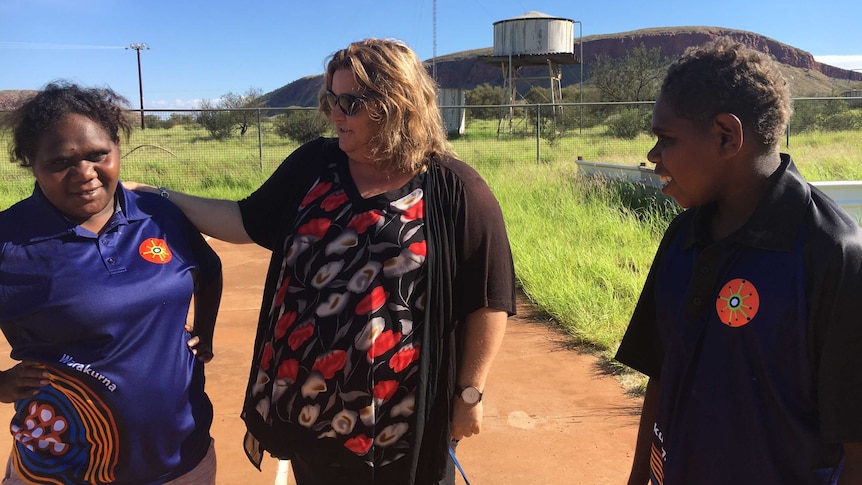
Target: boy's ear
<point>729,130</point>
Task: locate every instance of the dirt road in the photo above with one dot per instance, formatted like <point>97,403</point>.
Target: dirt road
<point>551,416</point>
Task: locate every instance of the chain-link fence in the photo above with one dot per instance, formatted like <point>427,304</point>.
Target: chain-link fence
<point>201,150</point>
<point>518,134</point>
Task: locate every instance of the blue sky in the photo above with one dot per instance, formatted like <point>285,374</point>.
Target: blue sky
<point>204,49</point>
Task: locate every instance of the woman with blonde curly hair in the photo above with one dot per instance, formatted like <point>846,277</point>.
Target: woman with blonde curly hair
<point>404,100</point>
<point>389,286</point>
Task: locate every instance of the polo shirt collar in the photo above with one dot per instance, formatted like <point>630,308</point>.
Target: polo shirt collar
<point>46,221</point>
<point>777,219</point>
<point>128,203</point>
<point>51,223</point>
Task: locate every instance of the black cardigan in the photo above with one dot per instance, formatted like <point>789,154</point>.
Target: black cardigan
<point>444,218</point>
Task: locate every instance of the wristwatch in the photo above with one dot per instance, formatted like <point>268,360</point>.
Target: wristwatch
<point>469,394</point>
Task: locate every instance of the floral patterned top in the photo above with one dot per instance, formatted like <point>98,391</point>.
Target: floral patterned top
<point>340,358</point>
<point>466,266</point>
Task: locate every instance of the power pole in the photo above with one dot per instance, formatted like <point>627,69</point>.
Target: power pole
<point>434,44</point>
<point>138,48</point>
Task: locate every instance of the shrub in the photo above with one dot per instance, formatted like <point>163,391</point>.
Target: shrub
<point>218,123</point>
<point>153,121</point>
<point>842,121</point>
<point>804,117</point>
<point>300,126</point>
<point>485,94</point>
<point>183,119</point>
<point>629,123</point>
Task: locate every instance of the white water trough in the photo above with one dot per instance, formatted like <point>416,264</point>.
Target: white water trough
<point>848,194</point>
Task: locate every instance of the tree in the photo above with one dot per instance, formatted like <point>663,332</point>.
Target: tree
<point>221,116</point>
<point>485,95</point>
<point>218,122</point>
<point>635,77</point>
<point>242,105</point>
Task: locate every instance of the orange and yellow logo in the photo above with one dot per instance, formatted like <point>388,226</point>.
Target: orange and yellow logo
<point>155,251</point>
<point>737,303</point>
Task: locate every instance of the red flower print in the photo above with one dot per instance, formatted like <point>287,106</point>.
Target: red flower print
<point>384,390</point>
<point>363,221</point>
<point>383,343</point>
<point>288,370</point>
<point>315,192</point>
<point>314,227</point>
<point>330,363</point>
<point>738,302</point>
<point>359,444</point>
<point>266,358</point>
<point>284,323</point>
<point>403,358</point>
<point>419,249</point>
<point>332,201</point>
<point>416,211</point>
<point>372,301</point>
<point>300,334</point>
<point>279,298</point>
<point>155,251</point>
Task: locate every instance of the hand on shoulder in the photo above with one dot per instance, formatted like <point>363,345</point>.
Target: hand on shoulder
<point>139,187</point>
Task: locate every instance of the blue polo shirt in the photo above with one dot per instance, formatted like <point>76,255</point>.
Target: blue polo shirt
<point>756,341</point>
<point>106,313</point>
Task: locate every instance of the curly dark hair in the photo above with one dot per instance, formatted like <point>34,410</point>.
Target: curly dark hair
<point>725,76</point>
<point>53,103</point>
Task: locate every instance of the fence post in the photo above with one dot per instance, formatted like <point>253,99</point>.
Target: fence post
<point>259,140</point>
<point>538,135</point>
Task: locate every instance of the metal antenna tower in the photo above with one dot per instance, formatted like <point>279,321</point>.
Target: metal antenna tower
<point>434,44</point>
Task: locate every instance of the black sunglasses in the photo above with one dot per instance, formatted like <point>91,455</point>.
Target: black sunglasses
<point>349,104</point>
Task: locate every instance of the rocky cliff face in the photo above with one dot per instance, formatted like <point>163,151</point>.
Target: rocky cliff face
<point>11,99</point>
<point>673,42</point>
<point>468,70</point>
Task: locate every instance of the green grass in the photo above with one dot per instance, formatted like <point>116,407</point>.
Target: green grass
<point>581,261</point>
<point>582,250</point>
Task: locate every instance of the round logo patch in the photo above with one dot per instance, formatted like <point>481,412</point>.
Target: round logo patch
<point>737,303</point>
<point>155,251</point>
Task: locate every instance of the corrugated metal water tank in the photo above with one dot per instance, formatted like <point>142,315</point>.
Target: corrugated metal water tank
<point>533,33</point>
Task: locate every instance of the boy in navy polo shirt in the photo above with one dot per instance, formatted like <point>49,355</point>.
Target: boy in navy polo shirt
<point>750,321</point>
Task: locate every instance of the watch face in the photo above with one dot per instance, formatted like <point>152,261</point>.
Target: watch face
<point>471,395</point>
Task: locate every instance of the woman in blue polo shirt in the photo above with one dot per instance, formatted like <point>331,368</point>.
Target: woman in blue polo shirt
<point>95,286</point>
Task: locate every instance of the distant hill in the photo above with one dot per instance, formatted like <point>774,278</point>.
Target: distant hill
<point>466,70</point>
<point>11,99</point>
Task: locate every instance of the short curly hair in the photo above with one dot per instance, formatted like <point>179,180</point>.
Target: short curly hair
<point>725,76</point>
<point>53,103</point>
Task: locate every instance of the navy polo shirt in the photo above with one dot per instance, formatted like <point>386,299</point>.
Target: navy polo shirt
<point>756,341</point>
<point>106,314</point>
